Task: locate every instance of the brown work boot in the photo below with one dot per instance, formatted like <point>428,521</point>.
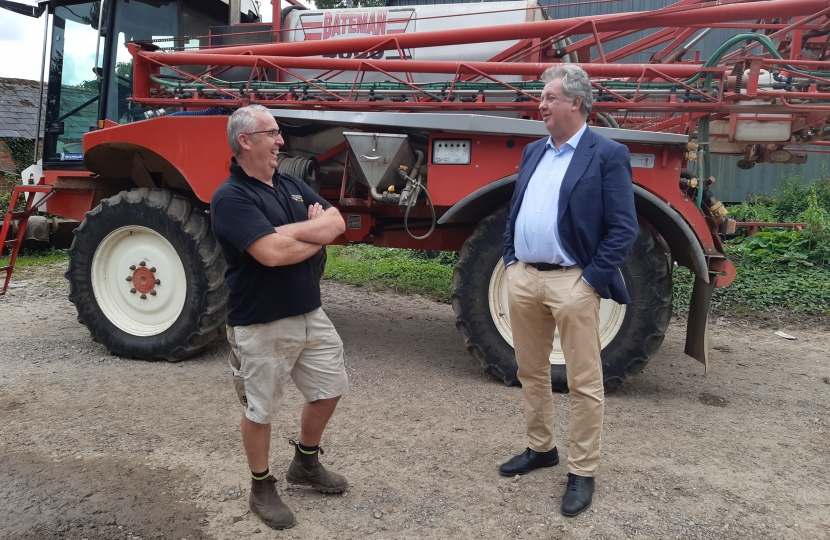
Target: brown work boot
<point>265,503</point>
<point>306,469</point>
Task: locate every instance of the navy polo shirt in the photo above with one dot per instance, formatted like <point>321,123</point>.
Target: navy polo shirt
<point>242,210</point>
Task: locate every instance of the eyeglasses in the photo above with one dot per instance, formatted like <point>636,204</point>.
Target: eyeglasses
<point>273,133</point>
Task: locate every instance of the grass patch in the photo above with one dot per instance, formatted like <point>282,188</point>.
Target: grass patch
<point>759,287</point>
<point>401,270</point>
<point>764,287</point>
<point>29,258</point>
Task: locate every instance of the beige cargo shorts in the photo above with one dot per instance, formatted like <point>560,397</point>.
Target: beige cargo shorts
<point>305,348</point>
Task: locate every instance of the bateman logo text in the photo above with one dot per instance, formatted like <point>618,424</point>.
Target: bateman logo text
<point>372,23</point>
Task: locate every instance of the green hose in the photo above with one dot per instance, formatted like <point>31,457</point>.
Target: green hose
<point>607,119</point>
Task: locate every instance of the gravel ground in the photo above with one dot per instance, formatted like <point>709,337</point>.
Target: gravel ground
<point>98,447</point>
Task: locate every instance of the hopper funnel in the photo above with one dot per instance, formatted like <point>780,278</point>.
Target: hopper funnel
<point>377,156</point>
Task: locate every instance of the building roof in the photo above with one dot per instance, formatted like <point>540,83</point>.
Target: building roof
<point>18,107</point>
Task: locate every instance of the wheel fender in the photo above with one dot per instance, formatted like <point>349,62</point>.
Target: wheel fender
<point>481,202</point>
<point>126,160</point>
<point>686,250</point>
<point>669,224</point>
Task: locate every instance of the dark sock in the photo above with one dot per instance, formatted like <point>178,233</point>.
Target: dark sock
<point>261,476</point>
<point>307,449</point>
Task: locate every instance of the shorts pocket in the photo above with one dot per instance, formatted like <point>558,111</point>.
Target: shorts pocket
<point>238,378</point>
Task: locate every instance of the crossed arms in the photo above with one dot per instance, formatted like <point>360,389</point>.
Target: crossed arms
<point>297,242</point>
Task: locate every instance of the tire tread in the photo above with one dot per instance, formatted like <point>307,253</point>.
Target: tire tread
<point>206,265</point>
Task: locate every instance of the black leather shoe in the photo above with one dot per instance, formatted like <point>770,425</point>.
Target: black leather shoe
<point>529,460</point>
<point>578,495</point>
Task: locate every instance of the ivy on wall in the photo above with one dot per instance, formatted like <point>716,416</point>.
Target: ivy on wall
<point>22,151</point>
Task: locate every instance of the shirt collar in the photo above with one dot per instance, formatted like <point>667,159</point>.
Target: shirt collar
<point>572,142</point>
<point>238,171</point>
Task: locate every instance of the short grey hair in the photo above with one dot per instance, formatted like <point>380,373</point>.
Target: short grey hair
<point>243,120</point>
<point>575,84</point>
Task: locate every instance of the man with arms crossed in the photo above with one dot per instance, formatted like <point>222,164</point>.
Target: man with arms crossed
<point>269,225</point>
<point>570,226</point>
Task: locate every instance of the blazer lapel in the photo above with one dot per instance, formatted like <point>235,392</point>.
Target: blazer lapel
<point>583,154</point>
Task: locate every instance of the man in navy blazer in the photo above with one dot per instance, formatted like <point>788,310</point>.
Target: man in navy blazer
<point>571,223</point>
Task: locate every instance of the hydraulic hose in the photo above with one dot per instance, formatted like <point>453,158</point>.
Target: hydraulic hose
<point>412,200</point>
<point>713,61</point>
<point>607,119</point>
<point>211,111</point>
<point>302,167</point>
<point>413,197</point>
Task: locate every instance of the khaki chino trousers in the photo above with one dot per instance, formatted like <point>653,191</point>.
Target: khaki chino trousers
<point>539,302</point>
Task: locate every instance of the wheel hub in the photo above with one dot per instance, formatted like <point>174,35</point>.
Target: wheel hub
<point>144,280</point>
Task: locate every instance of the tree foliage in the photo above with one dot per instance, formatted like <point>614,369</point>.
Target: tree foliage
<point>21,149</point>
<point>123,74</point>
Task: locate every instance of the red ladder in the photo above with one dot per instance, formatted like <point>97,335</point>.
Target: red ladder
<point>23,218</point>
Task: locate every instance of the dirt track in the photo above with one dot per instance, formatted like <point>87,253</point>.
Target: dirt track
<point>93,446</point>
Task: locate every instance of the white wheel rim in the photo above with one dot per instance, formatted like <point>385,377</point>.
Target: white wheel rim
<point>611,315</point>
<point>129,247</point>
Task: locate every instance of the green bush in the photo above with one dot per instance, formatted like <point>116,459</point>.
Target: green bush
<point>751,212</point>
<point>793,198</point>
<point>781,246</point>
<point>764,287</point>
<point>447,258</point>
<point>806,248</point>
<point>21,150</point>
<point>817,232</point>
<point>5,199</point>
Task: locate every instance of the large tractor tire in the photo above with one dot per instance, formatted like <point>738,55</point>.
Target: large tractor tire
<point>147,276</point>
<point>630,334</point>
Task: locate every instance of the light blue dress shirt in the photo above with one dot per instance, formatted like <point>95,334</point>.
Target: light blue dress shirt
<point>536,236</point>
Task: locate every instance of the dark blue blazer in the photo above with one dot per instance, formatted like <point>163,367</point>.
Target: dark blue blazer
<point>597,220</point>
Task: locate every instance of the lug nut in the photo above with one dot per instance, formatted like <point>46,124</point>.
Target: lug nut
<point>143,297</point>
<point>129,278</point>
<point>142,263</point>
<point>153,269</point>
<point>132,291</point>
<point>152,293</point>
<point>158,282</point>
<point>132,267</point>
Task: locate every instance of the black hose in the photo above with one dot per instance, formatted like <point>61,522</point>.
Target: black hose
<point>302,167</point>
<point>412,200</point>
<point>298,166</point>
